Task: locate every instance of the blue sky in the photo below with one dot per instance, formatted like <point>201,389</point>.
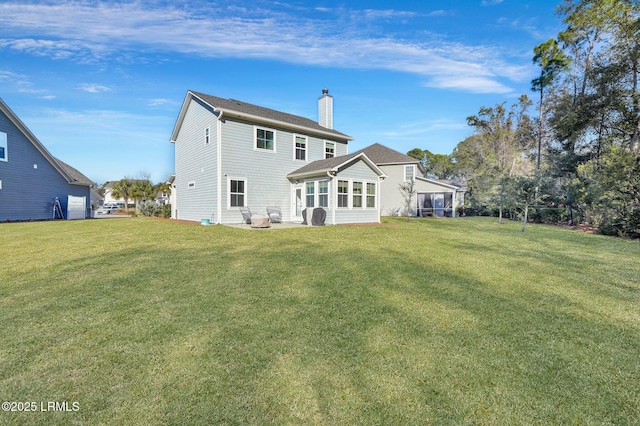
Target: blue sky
<point>100,83</point>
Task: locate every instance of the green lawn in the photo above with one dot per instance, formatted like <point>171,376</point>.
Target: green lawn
<point>435,321</point>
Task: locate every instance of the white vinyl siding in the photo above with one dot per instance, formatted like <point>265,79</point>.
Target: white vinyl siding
<point>196,162</point>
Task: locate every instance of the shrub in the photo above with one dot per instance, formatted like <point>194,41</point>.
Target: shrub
<point>147,208</point>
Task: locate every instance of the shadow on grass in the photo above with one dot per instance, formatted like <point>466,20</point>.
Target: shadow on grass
<point>303,328</point>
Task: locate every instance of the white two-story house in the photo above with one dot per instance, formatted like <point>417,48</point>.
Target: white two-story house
<point>231,154</point>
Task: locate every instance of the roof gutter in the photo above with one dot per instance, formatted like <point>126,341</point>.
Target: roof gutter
<point>276,123</point>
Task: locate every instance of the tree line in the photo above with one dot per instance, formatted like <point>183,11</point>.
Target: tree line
<point>143,193</point>
<point>578,159</point>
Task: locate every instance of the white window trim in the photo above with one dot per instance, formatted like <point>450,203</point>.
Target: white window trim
<point>207,135</point>
<point>413,167</point>
<point>306,147</point>
<point>191,185</point>
<point>324,152</point>
<point>328,193</point>
<point>364,195</point>
<point>362,200</point>
<point>349,204</point>
<point>367,195</point>
<point>314,186</point>
<point>246,186</point>
<point>255,139</point>
<point>3,144</point>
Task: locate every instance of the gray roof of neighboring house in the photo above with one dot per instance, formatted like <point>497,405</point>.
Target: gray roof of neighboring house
<point>78,178</point>
<point>235,107</point>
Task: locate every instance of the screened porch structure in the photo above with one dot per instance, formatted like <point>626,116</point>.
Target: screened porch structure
<point>439,204</point>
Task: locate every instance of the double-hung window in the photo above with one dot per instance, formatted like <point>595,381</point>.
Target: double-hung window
<point>265,139</point>
<point>409,173</point>
<point>329,149</point>
<point>206,136</point>
<point>357,194</point>
<point>300,147</point>
<point>323,193</point>
<point>3,146</point>
<point>237,192</point>
<point>311,186</point>
<point>343,193</point>
<point>371,194</point>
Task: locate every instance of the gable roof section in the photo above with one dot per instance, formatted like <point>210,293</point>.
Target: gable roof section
<point>257,114</point>
<point>333,165</point>
<point>78,178</point>
<point>72,175</point>
<point>383,156</point>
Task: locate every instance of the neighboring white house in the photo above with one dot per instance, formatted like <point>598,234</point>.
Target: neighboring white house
<point>231,154</point>
<point>433,197</point>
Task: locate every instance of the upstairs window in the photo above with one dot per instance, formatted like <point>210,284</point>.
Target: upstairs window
<point>329,149</point>
<point>206,136</point>
<point>409,173</point>
<point>265,139</point>
<point>3,146</point>
<point>300,148</point>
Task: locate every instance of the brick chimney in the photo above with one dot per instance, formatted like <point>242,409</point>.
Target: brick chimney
<point>325,109</point>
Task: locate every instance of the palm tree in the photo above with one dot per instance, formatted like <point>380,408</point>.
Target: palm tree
<point>123,189</point>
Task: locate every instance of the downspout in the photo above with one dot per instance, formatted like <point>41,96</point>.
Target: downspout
<point>378,191</point>
<point>219,166</point>
<point>334,190</point>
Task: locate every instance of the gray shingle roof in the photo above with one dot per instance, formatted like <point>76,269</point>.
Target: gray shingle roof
<point>320,166</point>
<point>377,153</point>
<point>78,178</point>
<point>258,111</point>
<point>381,155</point>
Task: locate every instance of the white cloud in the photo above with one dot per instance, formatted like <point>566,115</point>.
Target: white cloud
<point>469,84</point>
<point>490,2</point>
<point>93,88</point>
<point>98,31</point>
<point>161,102</point>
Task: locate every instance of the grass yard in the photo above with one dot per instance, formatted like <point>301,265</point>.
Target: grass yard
<point>450,321</point>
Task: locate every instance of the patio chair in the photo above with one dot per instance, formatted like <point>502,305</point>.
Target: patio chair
<point>246,215</point>
<point>275,214</point>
